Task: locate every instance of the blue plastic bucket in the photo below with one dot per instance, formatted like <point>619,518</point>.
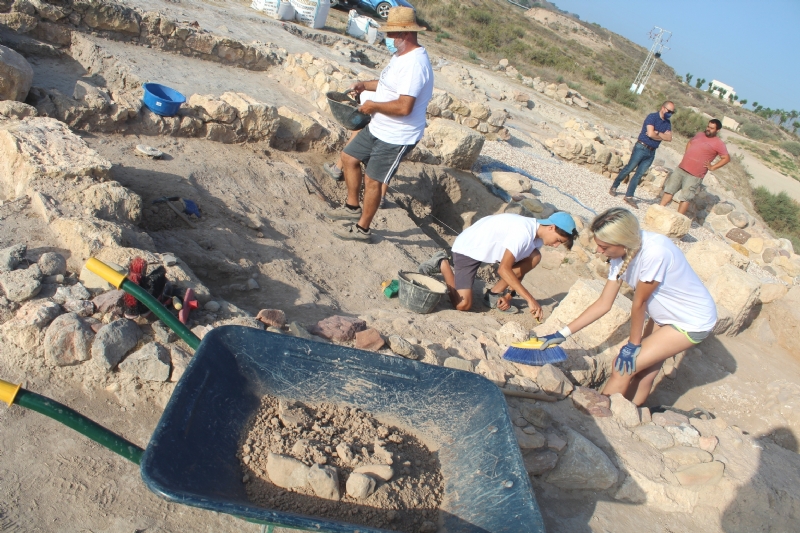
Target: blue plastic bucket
<point>162,100</point>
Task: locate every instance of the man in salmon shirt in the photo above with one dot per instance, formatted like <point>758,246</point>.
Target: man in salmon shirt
<point>701,151</point>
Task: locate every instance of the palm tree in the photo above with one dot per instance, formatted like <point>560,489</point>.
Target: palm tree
<point>700,82</point>
<point>795,125</point>
<point>689,78</point>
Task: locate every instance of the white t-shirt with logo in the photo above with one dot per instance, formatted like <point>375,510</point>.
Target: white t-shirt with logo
<point>489,238</point>
<point>411,75</point>
<point>680,298</point>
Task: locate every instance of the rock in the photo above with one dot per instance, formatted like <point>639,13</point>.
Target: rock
<point>296,130</point>
<point>685,435</point>
<point>591,402</point>
<point>109,302</point>
<point>286,472</point>
<point>345,453</point>
<point>723,208</point>
<point>583,466</point>
<point>11,257</point>
<point>458,363</point>
<point>113,341</point>
<point>17,110</point>
<point>786,245</point>
<point>685,455</point>
<point>84,308</point>
<point>216,109</point>
<point>179,360</point>
<point>402,347</point>
<point>324,481</point>
<point>465,347</point>
<point>338,328</point>
<point>379,472</point>
<point>26,327</point>
<point>655,436</point>
<point>21,285</point>
<point>669,418</point>
<point>272,317</point>
<point>212,307</point>
<point>298,330</point>
<point>624,411</point>
<point>511,182</point>
<point>92,281</point>
<point>708,257</point>
<point>150,363</point>
<point>738,219</point>
<point>535,415</point>
<point>162,333</point>
<point>736,291</point>
<point>737,235</point>
<point>708,444</point>
<point>369,339</point>
<point>553,381</point>
<point>771,292</point>
<point>293,415</point>
<point>705,474</point>
<point>666,221</point>
<point>113,202</point>
<point>51,264</point>
<point>755,245</point>
<point>72,292</point>
<point>458,145</point>
<point>510,333</point>
<point>555,443</point>
<point>605,332</point>
<point>259,120</point>
<point>360,486</point>
<point>538,462</point>
<point>529,441</point>
<point>644,415</point>
<point>16,75</point>
<point>68,340</point>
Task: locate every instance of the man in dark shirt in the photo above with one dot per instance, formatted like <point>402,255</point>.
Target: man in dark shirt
<point>656,128</point>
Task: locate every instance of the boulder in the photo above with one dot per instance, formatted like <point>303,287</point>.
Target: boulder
<point>16,75</point>
<point>529,440</point>
<point>324,481</point>
<point>402,347</point>
<point>25,329</point>
<point>708,257</point>
<point>44,148</point>
<point>214,109</point>
<point>666,221</point>
<point>379,472</point>
<point>109,302</point>
<point>179,360</point>
<point>52,264</point>
<point>458,364</point>
<point>287,472</point>
<point>21,285</point>
<point>259,120</point>
<point>113,341</point>
<point>737,292</point>
<point>272,317</point>
<point>338,328</point>
<point>738,219</point>
<point>369,339</point>
<point>553,381</point>
<point>458,146</point>
<point>583,466</point>
<point>360,486</point>
<point>68,340</point>
<point>17,110</point>
<point>111,17</point>
<point>150,363</point>
<point>591,402</point>
<point>538,462</point>
<point>608,330</point>
<point>113,202</point>
<point>655,436</point>
<point>684,435</point>
<point>624,411</point>
<point>510,333</point>
<point>511,182</point>
<point>11,257</point>
<point>296,130</point>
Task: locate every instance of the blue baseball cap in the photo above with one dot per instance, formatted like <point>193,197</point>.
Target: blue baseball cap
<point>560,220</point>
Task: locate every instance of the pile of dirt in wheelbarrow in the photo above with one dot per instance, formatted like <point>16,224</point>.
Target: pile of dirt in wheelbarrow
<point>340,463</point>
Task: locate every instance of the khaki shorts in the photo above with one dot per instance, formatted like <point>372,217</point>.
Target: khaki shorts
<point>680,180</point>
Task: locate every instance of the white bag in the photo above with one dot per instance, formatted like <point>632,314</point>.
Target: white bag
<point>285,11</point>
<point>313,13</point>
<point>270,7</point>
<point>362,27</point>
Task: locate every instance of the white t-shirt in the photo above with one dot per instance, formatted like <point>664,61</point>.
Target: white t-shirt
<point>680,298</point>
<point>488,239</point>
<point>411,75</point>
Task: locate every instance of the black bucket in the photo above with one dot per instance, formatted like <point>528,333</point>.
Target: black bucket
<point>344,110</point>
<point>418,292</point>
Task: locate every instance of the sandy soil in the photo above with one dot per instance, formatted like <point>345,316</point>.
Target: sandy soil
<point>763,176</point>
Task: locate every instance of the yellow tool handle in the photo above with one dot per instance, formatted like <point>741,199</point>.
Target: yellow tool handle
<point>106,272</point>
<point>8,391</point>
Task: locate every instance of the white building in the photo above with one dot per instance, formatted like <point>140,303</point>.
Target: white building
<point>717,86</point>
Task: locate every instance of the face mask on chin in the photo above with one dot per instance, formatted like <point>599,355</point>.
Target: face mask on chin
<point>390,45</point>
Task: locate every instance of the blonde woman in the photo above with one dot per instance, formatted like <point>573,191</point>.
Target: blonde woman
<point>681,310</point>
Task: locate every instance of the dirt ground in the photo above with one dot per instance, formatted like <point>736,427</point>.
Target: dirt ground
<point>259,221</point>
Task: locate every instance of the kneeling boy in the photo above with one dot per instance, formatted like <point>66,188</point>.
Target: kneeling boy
<point>511,240</point>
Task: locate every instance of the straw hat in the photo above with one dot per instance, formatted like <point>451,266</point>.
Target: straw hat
<point>401,19</point>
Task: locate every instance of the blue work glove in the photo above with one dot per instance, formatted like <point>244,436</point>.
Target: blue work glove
<point>626,360</point>
<point>552,340</point>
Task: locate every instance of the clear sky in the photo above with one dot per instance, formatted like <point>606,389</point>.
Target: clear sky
<point>753,46</point>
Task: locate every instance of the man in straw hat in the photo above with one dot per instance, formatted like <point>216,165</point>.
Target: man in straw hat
<point>398,121</point>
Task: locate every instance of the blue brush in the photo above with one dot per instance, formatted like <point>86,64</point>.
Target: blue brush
<point>529,353</point>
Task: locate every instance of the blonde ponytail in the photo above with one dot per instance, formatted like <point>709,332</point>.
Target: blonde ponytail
<point>620,227</point>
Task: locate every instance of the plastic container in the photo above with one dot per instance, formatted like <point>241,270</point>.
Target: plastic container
<point>418,292</point>
<point>191,457</point>
<point>345,110</point>
<point>162,100</point>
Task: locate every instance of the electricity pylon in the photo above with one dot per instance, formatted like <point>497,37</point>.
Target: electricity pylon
<point>660,38</point>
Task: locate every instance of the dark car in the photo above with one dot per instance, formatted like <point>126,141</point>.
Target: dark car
<point>381,7</point>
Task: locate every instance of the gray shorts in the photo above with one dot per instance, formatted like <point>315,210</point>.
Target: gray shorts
<point>465,268</point>
<point>381,159</point>
<point>680,180</point>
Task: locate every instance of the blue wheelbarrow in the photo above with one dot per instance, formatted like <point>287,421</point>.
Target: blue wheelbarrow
<point>191,457</point>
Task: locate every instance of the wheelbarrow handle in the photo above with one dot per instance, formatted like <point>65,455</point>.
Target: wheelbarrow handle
<point>15,394</point>
<point>120,281</point>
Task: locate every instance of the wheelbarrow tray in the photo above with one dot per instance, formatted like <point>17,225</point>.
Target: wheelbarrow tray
<point>191,458</point>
